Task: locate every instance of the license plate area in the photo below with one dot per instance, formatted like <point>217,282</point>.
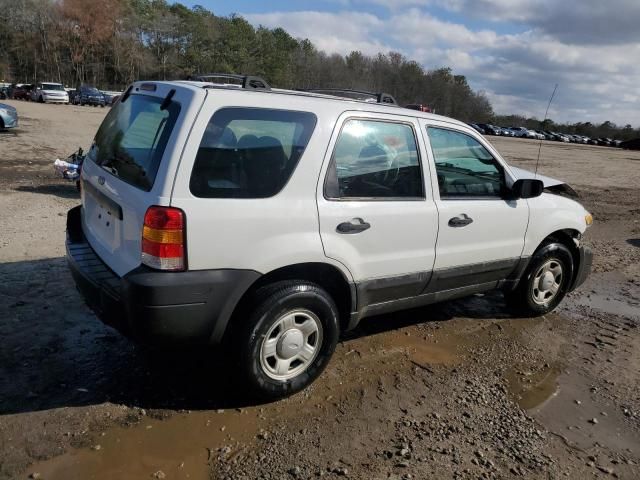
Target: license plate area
<point>102,215</point>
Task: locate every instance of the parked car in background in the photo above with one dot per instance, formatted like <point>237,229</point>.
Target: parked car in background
<point>507,132</point>
<point>476,127</point>
<point>633,144</point>
<point>72,92</point>
<point>560,137</point>
<point>88,95</point>
<point>110,97</point>
<point>49,92</point>
<point>8,116</point>
<point>523,132</point>
<point>489,129</point>
<point>542,135</point>
<point>22,91</point>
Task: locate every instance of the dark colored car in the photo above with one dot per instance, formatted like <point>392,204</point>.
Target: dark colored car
<point>476,127</point>
<point>88,95</point>
<point>22,92</point>
<point>489,129</point>
<point>4,93</point>
<point>72,95</point>
<point>631,144</point>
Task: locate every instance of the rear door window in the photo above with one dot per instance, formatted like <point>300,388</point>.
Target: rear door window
<point>132,139</point>
<point>249,152</point>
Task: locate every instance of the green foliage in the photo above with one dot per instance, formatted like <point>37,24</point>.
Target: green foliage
<point>66,40</point>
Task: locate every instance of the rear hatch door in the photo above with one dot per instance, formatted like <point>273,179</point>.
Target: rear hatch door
<point>131,166</point>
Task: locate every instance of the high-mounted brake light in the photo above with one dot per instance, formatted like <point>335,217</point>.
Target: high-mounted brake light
<point>163,238</point>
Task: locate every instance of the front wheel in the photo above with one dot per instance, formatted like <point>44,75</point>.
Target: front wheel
<point>545,282</point>
<point>288,338</point>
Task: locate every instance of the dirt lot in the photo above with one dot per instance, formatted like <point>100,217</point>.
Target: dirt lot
<point>458,390</point>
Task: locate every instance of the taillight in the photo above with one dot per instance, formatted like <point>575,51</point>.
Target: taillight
<point>163,238</point>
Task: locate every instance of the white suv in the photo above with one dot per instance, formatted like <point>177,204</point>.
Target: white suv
<point>50,93</point>
<point>274,220</point>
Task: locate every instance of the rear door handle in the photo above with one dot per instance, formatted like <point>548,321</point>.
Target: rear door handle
<point>461,220</point>
<point>356,225</point>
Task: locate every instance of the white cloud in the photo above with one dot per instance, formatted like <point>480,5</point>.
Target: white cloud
<point>333,32</point>
<point>598,80</point>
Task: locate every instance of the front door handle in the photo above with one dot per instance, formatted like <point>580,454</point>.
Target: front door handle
<point>461,220</point>
<point>356,225</point>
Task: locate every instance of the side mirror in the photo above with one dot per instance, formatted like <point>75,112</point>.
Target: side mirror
<point>527,188</point>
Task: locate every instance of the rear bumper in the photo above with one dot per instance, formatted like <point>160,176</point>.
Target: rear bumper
<point>584,267</point>
<point>152,306</point>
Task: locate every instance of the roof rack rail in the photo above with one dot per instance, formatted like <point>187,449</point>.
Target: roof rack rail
<point>354,94</point>
<point>245,81</point>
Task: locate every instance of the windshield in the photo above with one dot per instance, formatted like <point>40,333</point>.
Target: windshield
<point>91,90</point>
<point>132,139</point>
<point>52,86</point>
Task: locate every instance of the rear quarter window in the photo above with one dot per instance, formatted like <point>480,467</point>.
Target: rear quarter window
<point>249,152</point>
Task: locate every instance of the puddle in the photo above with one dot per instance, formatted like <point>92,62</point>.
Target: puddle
<point>179,447</point>
<point>425,351</point>
<point>570,411</point>
<point>532,389</point>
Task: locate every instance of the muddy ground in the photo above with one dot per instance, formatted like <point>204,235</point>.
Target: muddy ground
<point>458,390</point>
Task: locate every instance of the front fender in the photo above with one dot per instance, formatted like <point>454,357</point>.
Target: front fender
<point>549,214</point>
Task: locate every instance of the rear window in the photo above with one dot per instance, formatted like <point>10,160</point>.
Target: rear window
<point>249,152</point>
<point>132,139</point>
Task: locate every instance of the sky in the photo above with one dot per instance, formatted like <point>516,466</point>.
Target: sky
<point>513,50</point>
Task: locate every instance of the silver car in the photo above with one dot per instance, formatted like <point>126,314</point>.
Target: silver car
<point>8,116</point>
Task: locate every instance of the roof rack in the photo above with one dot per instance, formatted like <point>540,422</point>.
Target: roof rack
<point>354,94</point>
<point>245,81</point>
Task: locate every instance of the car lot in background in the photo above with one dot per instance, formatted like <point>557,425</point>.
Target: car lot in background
<point>527,133</point>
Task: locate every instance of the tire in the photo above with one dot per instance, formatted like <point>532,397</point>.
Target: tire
<point>545,282</point>
<point>1,124</point>
<point>288,339</point>
<point>40,99</point>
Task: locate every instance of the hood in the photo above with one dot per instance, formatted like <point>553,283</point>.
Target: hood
<point>4,106</point>
<point>52,92</point>
<point>522,174</point>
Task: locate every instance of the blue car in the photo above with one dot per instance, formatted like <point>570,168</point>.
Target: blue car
<point>8,116</point>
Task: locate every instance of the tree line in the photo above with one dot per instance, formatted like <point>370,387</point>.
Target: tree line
<point>114,42</point>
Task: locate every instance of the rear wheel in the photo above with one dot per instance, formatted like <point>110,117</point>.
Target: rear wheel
<point>288,339</point>
<point>545,282</point>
